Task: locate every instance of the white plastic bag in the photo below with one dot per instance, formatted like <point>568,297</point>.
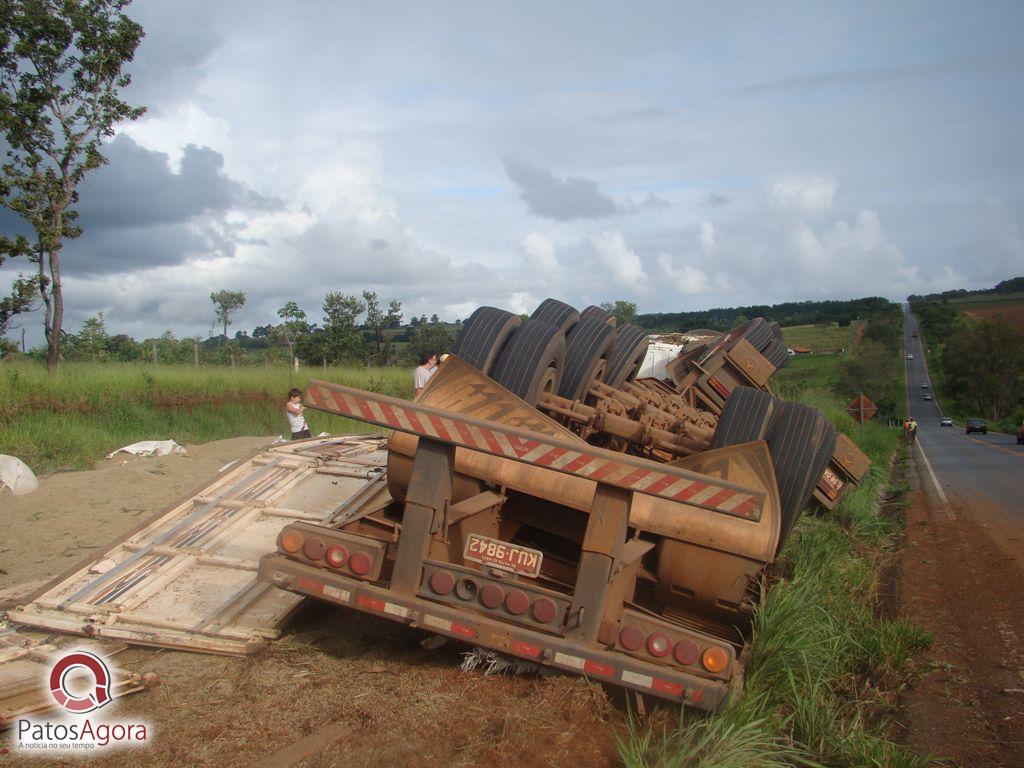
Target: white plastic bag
<point>15,474</point>
<point>150,448</point>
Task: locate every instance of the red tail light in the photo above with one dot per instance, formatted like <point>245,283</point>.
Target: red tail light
<point>492,596</point>
<point>360,563</point>
<point>631,637</point>
<point>336,556</point>
<point>659,645</point>
<point>314,549</point>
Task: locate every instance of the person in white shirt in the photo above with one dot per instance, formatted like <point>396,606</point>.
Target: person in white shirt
<point>423,372</point>
<point>294,410</point>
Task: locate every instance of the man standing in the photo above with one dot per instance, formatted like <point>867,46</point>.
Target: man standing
<point>423,372</point>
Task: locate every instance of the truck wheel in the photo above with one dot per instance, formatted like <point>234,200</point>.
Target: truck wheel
<point>758,333</point>
<point>558,314</point>
<point>747,415</point>
<point>587,349</point>
<point>776,354</point>
<point>483,336</point>
<point>601,314</point>
<point>533,361</point>
<point>776,330</point>
<point>800,440</point>
<point>630,351</point>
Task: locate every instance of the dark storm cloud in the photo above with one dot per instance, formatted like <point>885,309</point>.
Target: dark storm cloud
<point>559,199</point>
<point>137,188</point>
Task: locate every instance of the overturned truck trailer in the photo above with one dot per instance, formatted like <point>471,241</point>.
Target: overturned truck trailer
<point>582,526</point>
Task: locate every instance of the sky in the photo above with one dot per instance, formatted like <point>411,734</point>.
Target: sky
<point>678,155</point>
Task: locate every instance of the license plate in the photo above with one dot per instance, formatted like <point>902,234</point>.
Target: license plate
<point>502,555</point>
<point>830,483</point>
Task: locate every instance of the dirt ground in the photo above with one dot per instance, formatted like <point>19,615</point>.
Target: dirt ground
<point>961,578</point>
<point>396,702</point>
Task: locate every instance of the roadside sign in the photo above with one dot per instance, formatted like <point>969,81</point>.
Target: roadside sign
<point>861,409</point>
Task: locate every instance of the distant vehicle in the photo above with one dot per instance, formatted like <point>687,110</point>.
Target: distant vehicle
<point>926,396</point>
<point>1020,434</point>
<point>977,425</point>
<point>925,385</point>
<point>910,357</point>
<point>914,334</point>
<point>947,421</point>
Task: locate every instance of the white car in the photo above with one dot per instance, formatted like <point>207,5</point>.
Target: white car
<point>946,422</point>
<point>910,357</point>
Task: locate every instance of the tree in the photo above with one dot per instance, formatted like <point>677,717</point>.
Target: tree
<point>343,340</point>
<point>872,370</point>
<point>225,304</point>
<point>430,337</point>
<point>984,367</point>
<point>91,341</point>
<point>379,321</point>
<point>624,311</point>
<point>61,67</point>
<point>22,298</point>
<point>293,326</point>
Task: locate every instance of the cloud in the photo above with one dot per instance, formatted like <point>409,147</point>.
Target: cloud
<point>715,200</point>
<point>560,199</point>
<point>806,195</point>
<point>619,260</point>
<point>137,188</point>
<point>684,278</point>
<point>539,255</point>
<point>707,236</point>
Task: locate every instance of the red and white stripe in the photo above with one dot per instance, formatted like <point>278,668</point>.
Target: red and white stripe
<point>538,449</point>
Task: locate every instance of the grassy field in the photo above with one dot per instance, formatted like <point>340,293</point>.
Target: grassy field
<point>988,301</point>
<point>84,411</point>
<point>828,339</point>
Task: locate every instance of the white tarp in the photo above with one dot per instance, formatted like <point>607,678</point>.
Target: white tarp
<point>150,448</point>
<point>659,354</point>
<point>15,474</point>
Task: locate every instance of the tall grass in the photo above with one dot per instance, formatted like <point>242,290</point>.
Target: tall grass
<point>822,658</point>
<point>82,412</point>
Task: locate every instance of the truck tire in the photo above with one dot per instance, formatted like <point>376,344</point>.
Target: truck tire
<point>757,333</point>
<point>800,440</point>
<point>630,351</point>
<point>558,314</point>
<point>532,361</point>
<point>587,349</point>
<point>747,415</point>
<point>776,330</point>
<point>776,354</point>
<point>601,314</point>
<point>483,336</point>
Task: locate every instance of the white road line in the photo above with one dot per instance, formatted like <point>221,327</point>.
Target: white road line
<point>935,482</point>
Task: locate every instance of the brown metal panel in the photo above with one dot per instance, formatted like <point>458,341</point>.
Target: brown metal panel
<point>429,491</point>
<point>602,546</point>
<point>750,363</point>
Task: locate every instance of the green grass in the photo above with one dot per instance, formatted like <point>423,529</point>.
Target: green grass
<point>806,373</point>
<point>831,338</point>
<point>86,410</point>
<point>823,661</point>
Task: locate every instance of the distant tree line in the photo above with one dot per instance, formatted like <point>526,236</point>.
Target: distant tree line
<point>1013,285</point>
<point>788,313</point>
<point>354,330</point>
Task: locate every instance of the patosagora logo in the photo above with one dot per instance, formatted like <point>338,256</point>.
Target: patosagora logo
<point>75,702</point>
<point>81,684</point>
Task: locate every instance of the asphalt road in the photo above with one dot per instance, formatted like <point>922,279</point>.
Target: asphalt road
<point>988,468</point>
